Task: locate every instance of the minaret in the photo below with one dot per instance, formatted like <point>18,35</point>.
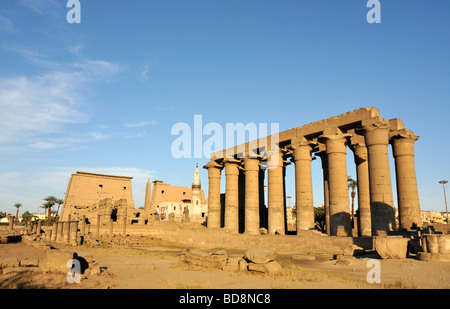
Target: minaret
<point>196,199</point>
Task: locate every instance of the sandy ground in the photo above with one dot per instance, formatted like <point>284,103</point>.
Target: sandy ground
<point>157,266</point>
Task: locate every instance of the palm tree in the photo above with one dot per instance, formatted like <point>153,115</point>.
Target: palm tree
<point>17,205</point>
<point>51,201</point>
<point>352,184</point>
<point>59,202</point>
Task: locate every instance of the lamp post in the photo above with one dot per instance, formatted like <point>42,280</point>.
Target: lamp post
<point>443,182</point>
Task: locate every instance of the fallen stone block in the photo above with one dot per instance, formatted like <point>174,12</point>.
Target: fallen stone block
<point>423,256</point>
<point>257,267</point>
<point>9,263</point>
<point>29,262</point>
<point>391,247</point>
<point>344,260</point>
<point>273,267</point>
<point>353,250</point>
<point>260,255</point>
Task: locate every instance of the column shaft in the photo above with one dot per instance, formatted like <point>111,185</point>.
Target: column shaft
<point>303,187</point>
<point>362,176</point>
<point>232,195</point>
<point>214,207</point>
<point>276,196</point>
<point>340,223</point>
<point>252,218</point>
<point>381,199</point>
<point>407,192</point>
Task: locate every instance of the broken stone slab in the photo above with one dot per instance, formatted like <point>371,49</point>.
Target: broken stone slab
<point>273,267</point>
<point>391,247</point>
<point>344,260</point>
<point>243,265</point>
<point>353,250</point>
<point>260,255</point>
<point>257,267</point>
<point>303,257</point>
<point>29,262</point>
<point>9,263</point>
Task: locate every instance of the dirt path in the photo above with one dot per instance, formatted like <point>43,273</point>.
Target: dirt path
<point>161,267</point>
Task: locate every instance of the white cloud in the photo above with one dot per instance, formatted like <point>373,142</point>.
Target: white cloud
<point>144,73</point>
<point>32,106</point>
<point>38,6</point>
<point>139,124</point>
<point>6,25</point>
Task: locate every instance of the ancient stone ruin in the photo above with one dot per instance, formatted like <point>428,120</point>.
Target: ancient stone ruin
<point>364,131</point>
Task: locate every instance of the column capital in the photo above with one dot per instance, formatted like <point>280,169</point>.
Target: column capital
<point>252,164</point>
<point>376,131</point>
<point>335,142</point>
<point>402,142</point>
<point>213,164</point>
<point>302,149</point>
<point>403,134</point>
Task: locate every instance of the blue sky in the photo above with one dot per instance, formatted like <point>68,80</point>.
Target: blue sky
<point>102,96</point>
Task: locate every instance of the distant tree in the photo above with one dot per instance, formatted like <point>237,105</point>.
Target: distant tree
<point>27,216</point>
<point>17,205</point>
<point>352,184</point>
<point>59,202</point>
<point>319,218</point>
<point>50,202</point>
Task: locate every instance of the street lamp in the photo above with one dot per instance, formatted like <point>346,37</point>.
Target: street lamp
<point>443,182</point>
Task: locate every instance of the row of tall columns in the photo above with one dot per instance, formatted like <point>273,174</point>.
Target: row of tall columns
<point>369,144</point>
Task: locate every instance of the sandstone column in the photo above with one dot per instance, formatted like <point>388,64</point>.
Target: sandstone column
<point>276,193</point>
<point>407,193</point>
<point>59,234</point>
<point>98,226</point>
<point>83,226</point>
<point>303,184</point>
<point>66,232</point>
<point>252,218</point>
<point>214,207</point>
<point>382,210</point>
<point>362,175</point>
<point>232,194</point>
<point>340,223</point>
<point>39,226</point>
<point>124,226</point>
<point>326,194</point>
<point>54,232</point>
<point>73,232</point>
